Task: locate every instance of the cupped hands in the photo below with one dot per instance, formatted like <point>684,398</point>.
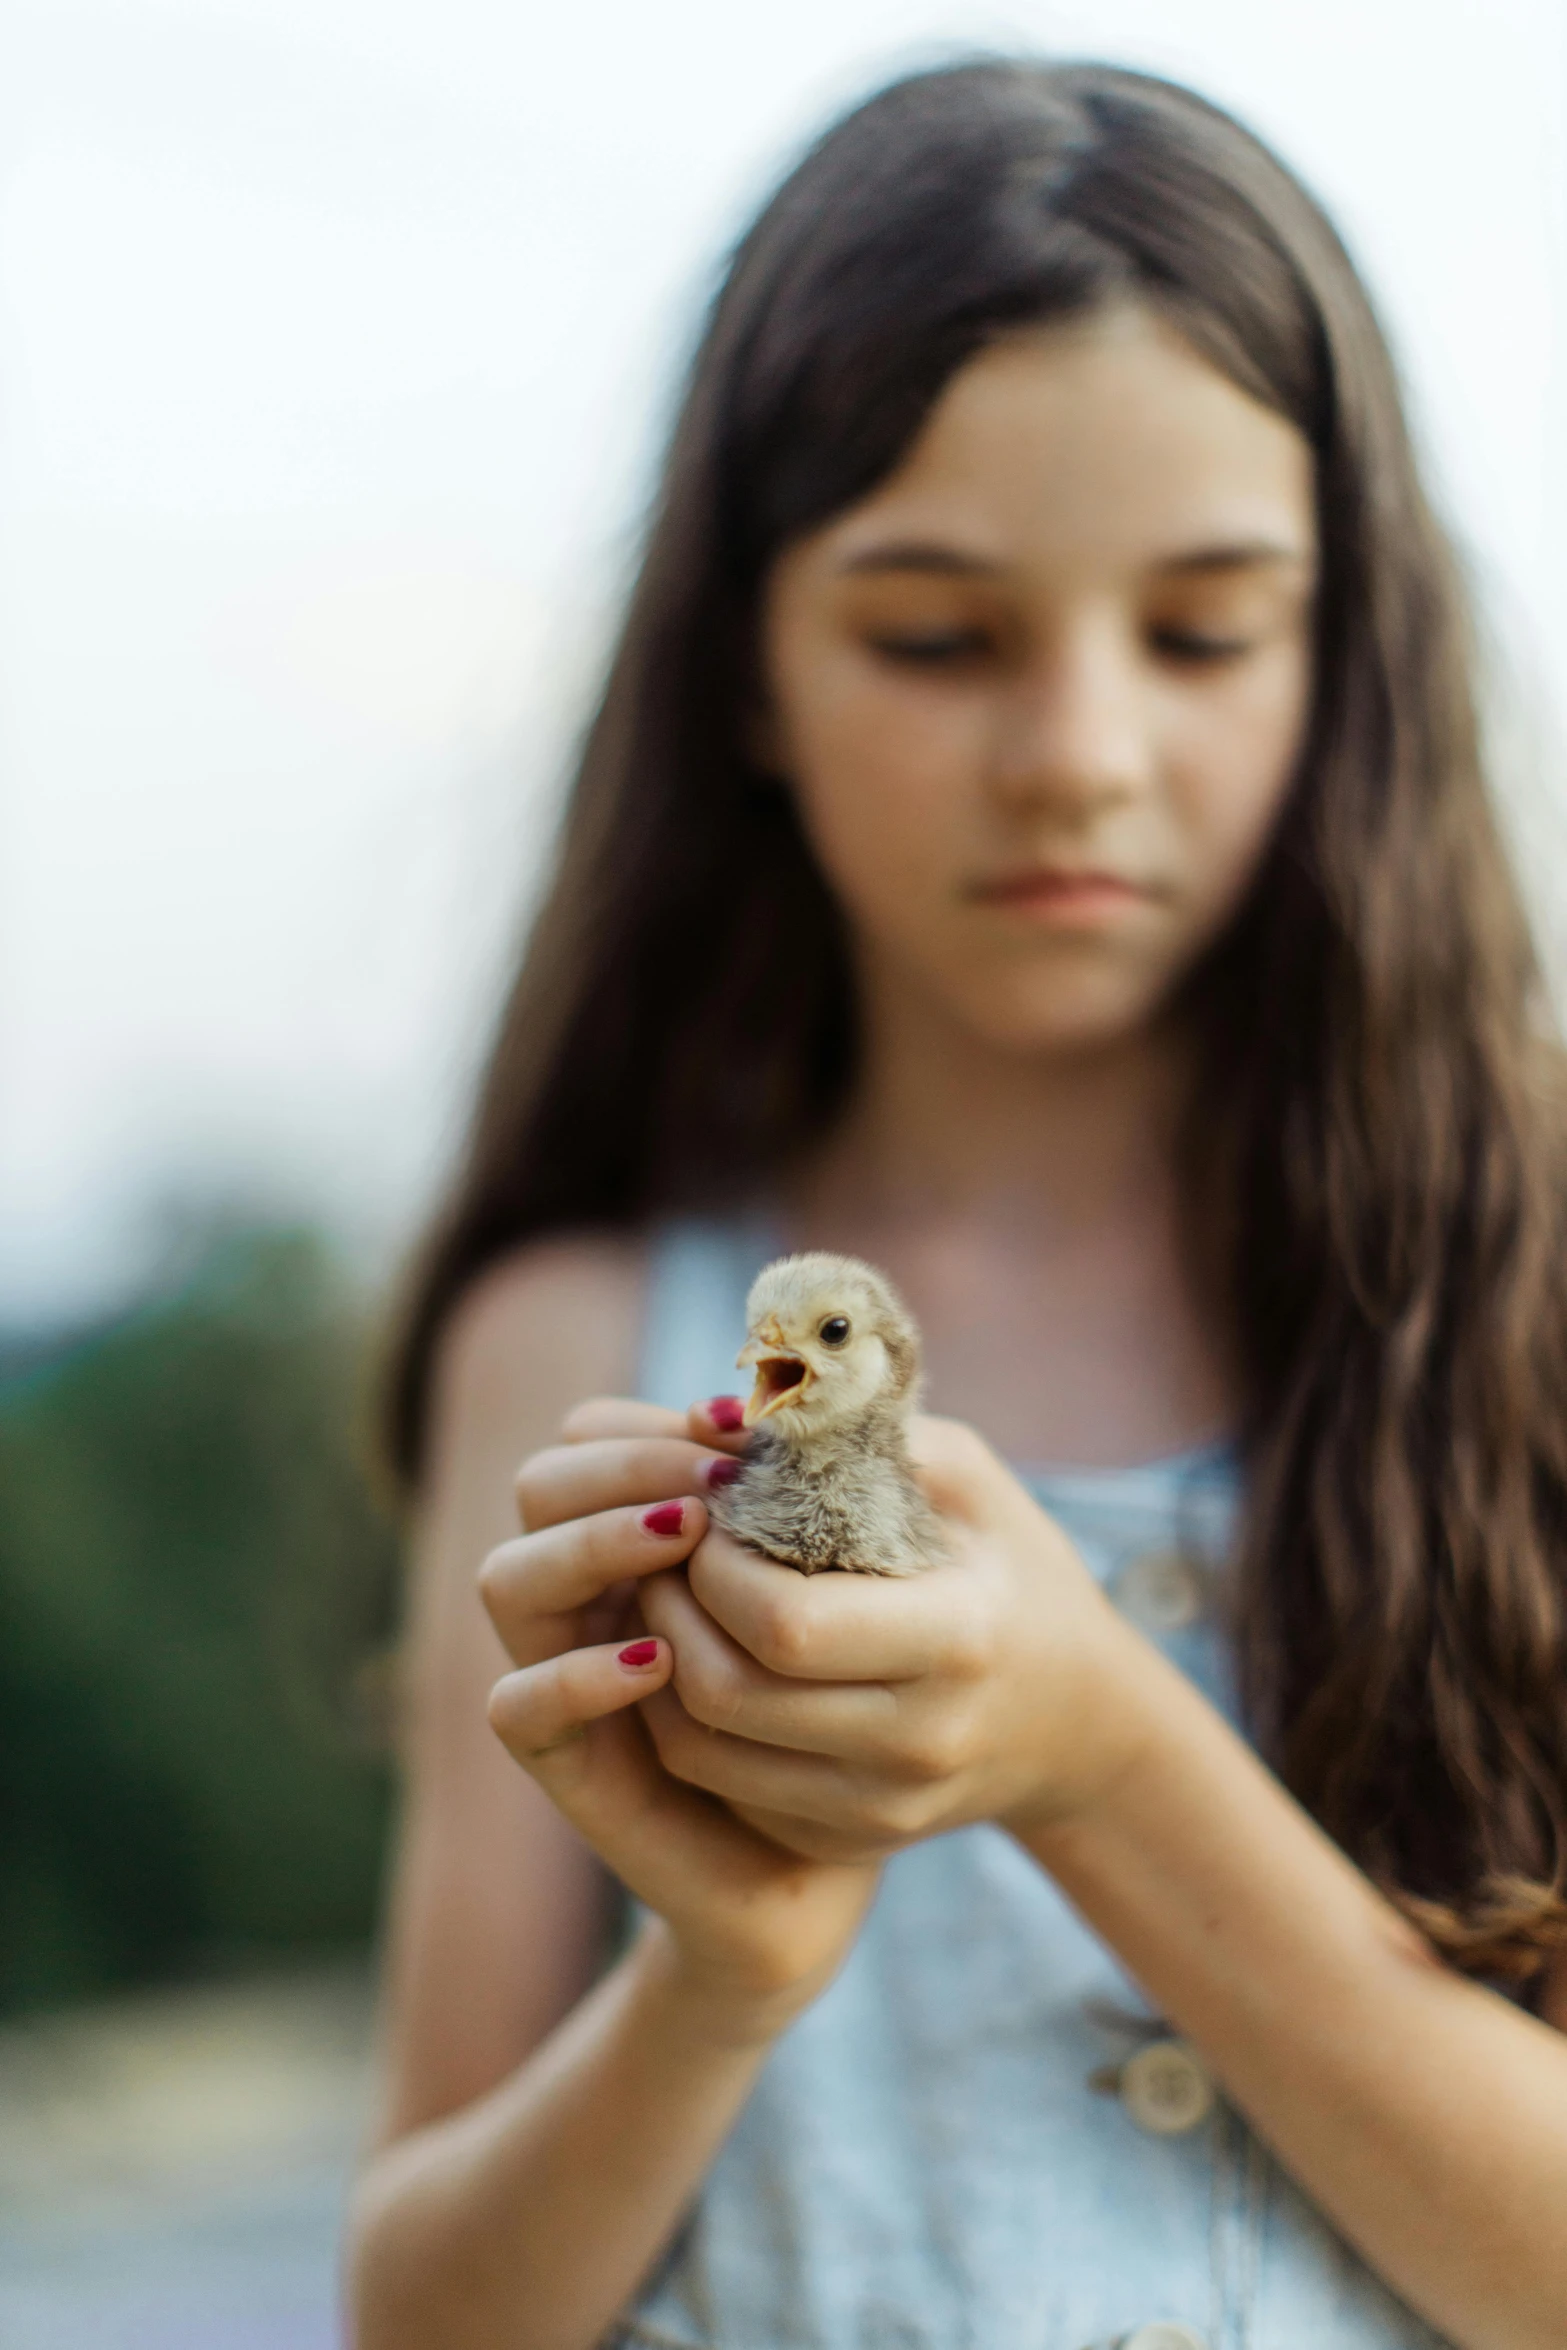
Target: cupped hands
<point>848,1715</point>
<point>837,1716</point>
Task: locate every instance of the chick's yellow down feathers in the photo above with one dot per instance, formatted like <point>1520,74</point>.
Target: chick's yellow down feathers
<point>826,1479</point>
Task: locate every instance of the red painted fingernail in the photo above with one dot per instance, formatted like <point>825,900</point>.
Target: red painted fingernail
<point>723,1471</point>
<point>639,1655</point>
<point>667,1518</point>
<point>726,1412</point>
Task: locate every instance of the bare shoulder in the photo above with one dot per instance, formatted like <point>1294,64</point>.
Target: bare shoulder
<point>538,1330</point>
<point>496,1908</point>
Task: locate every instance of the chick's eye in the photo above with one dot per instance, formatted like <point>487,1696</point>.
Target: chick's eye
<point>834,1330</point>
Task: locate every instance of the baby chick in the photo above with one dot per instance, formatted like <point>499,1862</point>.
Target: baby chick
<point>826,1479</point>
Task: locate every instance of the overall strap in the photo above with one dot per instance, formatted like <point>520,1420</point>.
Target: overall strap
<point>693,1315</point>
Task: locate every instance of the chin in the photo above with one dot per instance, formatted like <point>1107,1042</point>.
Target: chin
<point>1083,1015</point>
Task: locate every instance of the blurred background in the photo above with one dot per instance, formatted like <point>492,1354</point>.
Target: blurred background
<point>337,338</point>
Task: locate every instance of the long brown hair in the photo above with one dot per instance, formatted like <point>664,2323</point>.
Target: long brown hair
<point>1395,1127</point>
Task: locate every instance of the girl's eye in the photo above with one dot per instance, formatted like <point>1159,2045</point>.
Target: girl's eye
<point>1192,646</point>
<point>931,648</point>
<point>834,1330</point>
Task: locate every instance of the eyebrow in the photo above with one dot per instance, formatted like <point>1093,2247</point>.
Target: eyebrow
<point>921,555</point>
<point>932,558</point>
<point>1237,555</point>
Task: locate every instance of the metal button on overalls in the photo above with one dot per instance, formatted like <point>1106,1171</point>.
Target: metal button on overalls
<point>1162,2337</point>
<point>1162,1591</point>
<point>1166,2088</point>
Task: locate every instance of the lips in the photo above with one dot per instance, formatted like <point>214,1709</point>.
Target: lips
<point>1063,897</point>
<point>1056,884</point>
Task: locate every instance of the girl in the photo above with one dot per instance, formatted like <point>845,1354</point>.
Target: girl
<point>1032,837</point>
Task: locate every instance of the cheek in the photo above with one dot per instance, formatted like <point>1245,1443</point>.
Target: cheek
<point>1232,763</point>
<point>883,780</point>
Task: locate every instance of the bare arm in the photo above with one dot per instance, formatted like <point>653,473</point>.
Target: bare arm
<point>527,2182</point>
<point>498,1911</point>
<point>527,2221</point>
<point>1427,2116</point>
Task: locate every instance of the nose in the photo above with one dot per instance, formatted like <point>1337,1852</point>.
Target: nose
<point>1072,729</point>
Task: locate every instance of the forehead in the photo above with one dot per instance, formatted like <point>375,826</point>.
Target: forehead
<point>1097,445</point>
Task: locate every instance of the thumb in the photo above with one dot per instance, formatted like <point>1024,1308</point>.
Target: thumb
<point>961,1475</point>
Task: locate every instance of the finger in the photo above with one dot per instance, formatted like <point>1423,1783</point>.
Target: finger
<point>574,1724</point>
<point>809,1839</point>
<point>962,1476</point>
<point>722,1687</point>
<point>719,1420</point>
<point>619,1415</point>
<point>533,1586</point>
<point>768,1778</point>
<point>546,1706</point>
<point>841,1627</point>
<point>604,1473</point>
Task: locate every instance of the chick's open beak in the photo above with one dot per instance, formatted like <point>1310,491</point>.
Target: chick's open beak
<point>782,1376</point>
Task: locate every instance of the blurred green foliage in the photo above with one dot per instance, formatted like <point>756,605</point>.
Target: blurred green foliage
<point>191,1567</point>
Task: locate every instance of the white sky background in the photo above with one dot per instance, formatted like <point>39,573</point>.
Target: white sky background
<point>336,337</point>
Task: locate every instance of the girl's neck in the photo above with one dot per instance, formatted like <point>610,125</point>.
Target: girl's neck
<point>947,1124</point>
<point>1029,1207</point>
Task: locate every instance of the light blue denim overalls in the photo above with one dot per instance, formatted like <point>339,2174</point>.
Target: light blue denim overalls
<point>980,2137</point>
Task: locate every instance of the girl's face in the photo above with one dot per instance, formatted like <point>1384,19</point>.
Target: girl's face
<point>1040,695</point>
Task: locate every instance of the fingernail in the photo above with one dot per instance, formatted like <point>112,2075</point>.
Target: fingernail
<point>726,1412</point>
<point>723,1471</point>
<point>667,1518</point>
<point>639,1655</point>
